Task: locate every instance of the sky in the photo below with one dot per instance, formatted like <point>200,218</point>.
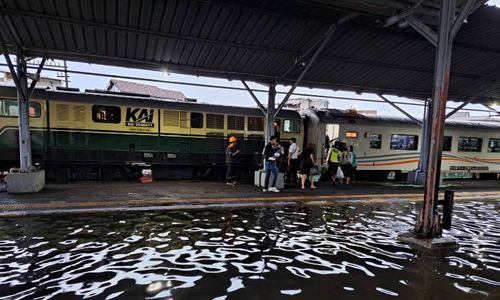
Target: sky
<point>229,97</point>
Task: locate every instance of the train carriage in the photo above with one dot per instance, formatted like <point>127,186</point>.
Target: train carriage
<point>387,145</point>
<point>107,135</point>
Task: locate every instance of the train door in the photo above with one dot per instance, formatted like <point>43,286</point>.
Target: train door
<point>331,133</point>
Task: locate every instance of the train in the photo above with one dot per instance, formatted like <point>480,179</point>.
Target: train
<point>388,147</point>
<point>105,135</point>
<point>102,135</point>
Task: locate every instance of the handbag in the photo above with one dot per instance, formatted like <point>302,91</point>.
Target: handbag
<point>314,171</point>
<point>340,174</point>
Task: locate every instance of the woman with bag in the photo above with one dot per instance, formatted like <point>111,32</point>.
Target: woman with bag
<point>307,161</point>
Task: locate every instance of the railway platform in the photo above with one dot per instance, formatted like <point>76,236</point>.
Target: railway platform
<point>159,195</point>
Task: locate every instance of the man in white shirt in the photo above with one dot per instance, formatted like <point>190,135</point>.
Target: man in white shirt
<point>293,162</point>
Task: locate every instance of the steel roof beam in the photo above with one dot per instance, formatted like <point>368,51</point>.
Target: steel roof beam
<point>301,59</point>
<point>468,8</point>
<point>401,16</point>
<point>423,30</point>
<point>451,113</point>
<point>261,107</point>
<point>400,110</point>
<point>318,51</point>
<point>36,77</point>
<point>10,65</point>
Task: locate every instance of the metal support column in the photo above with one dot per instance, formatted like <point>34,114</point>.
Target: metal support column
<point>429,220</point>
<point>271,107</point>
<point>24,119</point>
<point>424,149</point>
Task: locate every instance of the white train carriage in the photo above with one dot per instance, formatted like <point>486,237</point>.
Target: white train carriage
<point>391,145</point>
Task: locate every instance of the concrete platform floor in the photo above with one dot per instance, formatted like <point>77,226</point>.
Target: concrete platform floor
<point>97,196</point>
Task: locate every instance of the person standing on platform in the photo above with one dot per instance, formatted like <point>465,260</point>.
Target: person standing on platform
<point>346,164</point>
<point>354,165</point>
<point>232,153</point>
<point>333,157</point>
<point>307,161</point>
<point>271,156</point>
<point>293,162</point>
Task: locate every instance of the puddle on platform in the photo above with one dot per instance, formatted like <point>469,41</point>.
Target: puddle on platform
<point>300,252</point>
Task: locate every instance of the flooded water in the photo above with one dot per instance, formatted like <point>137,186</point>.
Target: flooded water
<point>342,251</point>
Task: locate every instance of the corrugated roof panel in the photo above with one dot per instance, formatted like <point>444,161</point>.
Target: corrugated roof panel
<point>141,47</point>
<point>121,47</point>
<point>179,17</point>
<point>168,15</point>
<point>146,12</point>
<point>177,51</point>
<point>21,29</point>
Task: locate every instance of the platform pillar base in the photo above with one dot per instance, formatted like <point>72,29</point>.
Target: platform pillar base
<point>440,243</point>
<point>31,182</point>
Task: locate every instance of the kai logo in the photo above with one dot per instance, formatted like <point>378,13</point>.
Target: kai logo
<point>140,117</point>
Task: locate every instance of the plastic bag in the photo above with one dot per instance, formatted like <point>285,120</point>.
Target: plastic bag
<point>340,174</point>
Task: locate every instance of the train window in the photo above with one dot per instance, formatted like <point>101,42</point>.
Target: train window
<point>447,143</point>
<point>291,126</point>
<point>215,121</point>
<point>470,144</point>
<point>236,122</point>
<point>8,108</point>
<point>375,141</point>
<point>196,120</point>
<point>351,134</point>
<point>494,145</point>
<point>404,142</point>
<point>106,114</point>
<point>255,124</point>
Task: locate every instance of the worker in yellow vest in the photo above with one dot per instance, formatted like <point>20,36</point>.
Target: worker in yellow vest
<point>333,158</point>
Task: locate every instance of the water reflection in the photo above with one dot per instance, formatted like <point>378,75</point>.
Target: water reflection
<point>309,252</point>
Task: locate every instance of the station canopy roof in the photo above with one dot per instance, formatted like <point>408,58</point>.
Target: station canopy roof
<point>259,40</point>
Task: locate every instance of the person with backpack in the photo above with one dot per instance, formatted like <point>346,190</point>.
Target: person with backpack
<point>333,159</point>
<point>346,164</point>
<point>271,159</point>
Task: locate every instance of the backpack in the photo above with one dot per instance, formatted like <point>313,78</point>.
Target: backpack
<point>346,157</point>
